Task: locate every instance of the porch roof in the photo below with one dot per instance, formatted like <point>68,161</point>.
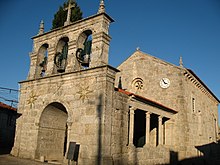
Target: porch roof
<point>5,106</point>
<point>146,100</point>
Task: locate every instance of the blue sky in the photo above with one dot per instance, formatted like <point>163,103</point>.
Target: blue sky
<point>166,29</point>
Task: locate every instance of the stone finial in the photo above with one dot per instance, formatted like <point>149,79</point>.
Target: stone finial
<point>138,49</point>
<point>181,62</point>
<point>41,29</point>
<point>101,7</point>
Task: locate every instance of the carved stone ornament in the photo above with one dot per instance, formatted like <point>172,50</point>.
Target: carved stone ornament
<point>32,98</point>
<point>138,84</point>
<point>84,92</point>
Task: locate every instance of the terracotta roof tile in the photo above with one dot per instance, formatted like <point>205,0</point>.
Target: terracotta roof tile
<point>3,105</point>
<point>144,98</point>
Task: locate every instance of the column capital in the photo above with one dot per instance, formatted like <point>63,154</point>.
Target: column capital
<point>160,117</point>
<point>132,109</point>
<point>148,114</point>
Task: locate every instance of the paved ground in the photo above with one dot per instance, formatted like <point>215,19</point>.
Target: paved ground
<point>10,160</point>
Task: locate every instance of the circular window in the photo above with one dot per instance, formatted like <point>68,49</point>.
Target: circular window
<point>138,84</point>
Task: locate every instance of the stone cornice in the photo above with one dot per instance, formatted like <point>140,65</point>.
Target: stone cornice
<point>190,75</point>
<point>108,69</point>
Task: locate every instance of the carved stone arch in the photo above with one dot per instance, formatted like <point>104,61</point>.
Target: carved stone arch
<point>52,133</point>
<point>83,36</point>
<point>60,101</point>
<point>84,47</point>
<point>61,55</point>
<point>60,43</point>
<point>42,57</point>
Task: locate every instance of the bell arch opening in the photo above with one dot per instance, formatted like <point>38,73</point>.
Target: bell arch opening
<point>52,133</point>
<point>61,55</point>
<point>84,49</point>
<point>42,61</point>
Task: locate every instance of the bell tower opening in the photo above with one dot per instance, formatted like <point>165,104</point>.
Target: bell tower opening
<point>83,53</point>
<point>42,61</point>
<point>61,55</point>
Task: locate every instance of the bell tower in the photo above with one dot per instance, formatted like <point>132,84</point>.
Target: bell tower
<point>67,95</point>
<point>76,46</point>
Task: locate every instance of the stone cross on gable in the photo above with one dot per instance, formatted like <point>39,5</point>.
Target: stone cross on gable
<point>71,4</point>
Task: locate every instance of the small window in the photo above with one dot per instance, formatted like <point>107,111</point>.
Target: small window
<point>193,105</point>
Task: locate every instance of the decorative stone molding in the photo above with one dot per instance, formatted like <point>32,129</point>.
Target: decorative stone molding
<point>199,84</point>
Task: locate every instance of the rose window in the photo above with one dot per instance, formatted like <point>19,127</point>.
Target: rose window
<point>138,84</point>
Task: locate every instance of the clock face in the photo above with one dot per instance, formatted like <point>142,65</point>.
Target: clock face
<point>164,82</point>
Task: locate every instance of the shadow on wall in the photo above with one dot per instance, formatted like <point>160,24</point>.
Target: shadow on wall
<point>210,156</point>
<point>99,115</point>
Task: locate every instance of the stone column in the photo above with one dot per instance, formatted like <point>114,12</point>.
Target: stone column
<point>147,135</point>
<point>160,130</point>
<point>131,126</point>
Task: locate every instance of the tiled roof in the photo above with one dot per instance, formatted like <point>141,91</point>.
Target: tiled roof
<point>5,106</point>
<point>145,99</point>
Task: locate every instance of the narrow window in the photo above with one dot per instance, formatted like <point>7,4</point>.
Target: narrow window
<point>200,123</point>
<point>139,128</point>
<point>193,105</point>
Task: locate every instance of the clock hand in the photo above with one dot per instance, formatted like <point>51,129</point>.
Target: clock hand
<point>164,81</point>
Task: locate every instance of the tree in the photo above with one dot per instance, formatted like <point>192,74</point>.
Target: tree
<point>61,15</point>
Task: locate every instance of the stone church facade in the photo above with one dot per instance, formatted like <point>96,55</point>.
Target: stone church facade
<point>146,111</point>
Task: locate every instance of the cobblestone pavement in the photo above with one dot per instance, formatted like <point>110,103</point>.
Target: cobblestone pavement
<point>10,160</point>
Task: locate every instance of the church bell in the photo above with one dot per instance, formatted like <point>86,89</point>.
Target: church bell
<point>83,55</point>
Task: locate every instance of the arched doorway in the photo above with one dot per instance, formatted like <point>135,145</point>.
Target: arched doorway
<point>51,142</point>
